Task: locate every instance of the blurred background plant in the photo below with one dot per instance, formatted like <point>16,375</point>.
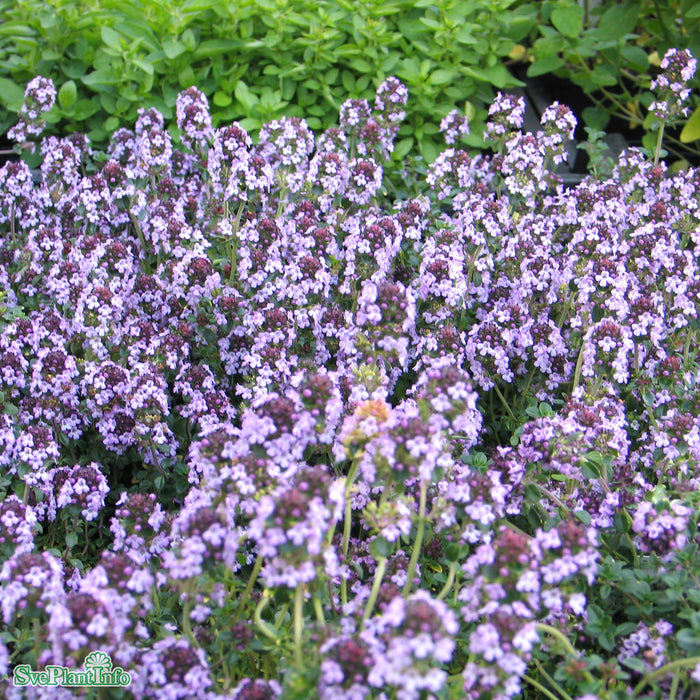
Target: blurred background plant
<point>259,60</point>
<point>612,51</point>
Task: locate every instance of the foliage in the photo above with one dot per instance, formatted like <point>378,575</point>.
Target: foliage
<point>613,53</point>
<point>270,433</point>
<point>257,61</point>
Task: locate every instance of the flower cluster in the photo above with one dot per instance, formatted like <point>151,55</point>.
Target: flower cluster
<point>39,97</point>
<point>267,433</point>
<point>671,85</point>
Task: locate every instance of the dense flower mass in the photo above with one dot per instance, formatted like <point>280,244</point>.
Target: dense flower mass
<point>267,432</point>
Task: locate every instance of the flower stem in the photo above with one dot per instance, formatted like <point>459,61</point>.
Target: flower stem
<point>378,576</point>
<point>419,539</point>
<point>299,624</point>
<point>142,241</point>
<point>552,682</point>
<point>659,139</point>
<point>266,628</point>
<point>540,687</point>
<point>347,523</point>
<point>450,580</point>
<point>504,402</point>
<point>554,632</point>
<point>657,673</point>
<point>579,364</point>
<point>249,587</point>
<point>318,608</point>
<point>186,609</point>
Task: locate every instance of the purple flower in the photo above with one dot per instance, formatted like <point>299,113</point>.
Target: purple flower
<point>172,668</point>
<point>353,116</point>
<point>671,85</point>
<point>454,126</point>
<point>256,689</point>
<point>39,97</point>
<point>365,180</point>
<point>30,581</point>
<point>193,119</point>
<point>17,525</point>
<point>84,487</point>
<point>506,117</point>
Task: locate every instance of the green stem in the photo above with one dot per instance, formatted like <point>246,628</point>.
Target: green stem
<point>265,627</point>
<point>659,139</point>
<point>678,663</point>
<point>521,405</point>
<point>249,587</point>
<point>234,245</point>
<point>540,687</point>
<point>299,624</point>
<point>378,576</point>
<point>472,263</point>
<point>674,687</point>
<point>504,402</point>
<point>551,496</point>
<point>419,539</point>
<point>186,609</point>
<point>37,638</point>
<point>579,364</point>
<point>686,347</point>
<point>552,682</point>
<point>347,522</point>
<point>450,580</point>
<point>554,632</point>
<point>318,608</point>
<point>142,241</point>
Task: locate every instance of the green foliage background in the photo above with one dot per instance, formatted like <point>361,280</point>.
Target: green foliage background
<point>259,60</point>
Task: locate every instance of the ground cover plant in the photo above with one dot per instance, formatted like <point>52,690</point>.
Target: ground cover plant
<point>269,432</point>
<point>612,52</point>
<point>257,61</point>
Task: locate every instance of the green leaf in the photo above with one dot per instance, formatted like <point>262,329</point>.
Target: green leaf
<point>604,76</point>
<point>568,20</point>
<point>215,47</point>
<point>617,21</point>
<point>596,117</point>
<point>16,29</point>
<point>112,124</point>
<point>590,470</point>
<point>636,57</point>
<point>634,663</point>
<point>691,131</point>
<point>402,148</point>
<point>625,628</point>
<point>71,540</point>
<point>693,12</point>
<point>584,516</point>
<point>243,94</point>
<point>361,66</point>
<point>689,641</point>
<point>442,76</point>
<point>465,35</point>
<point>68,94</point>
<point>545,65</point>
<point>111,38</point>
<point>380,548</point>
<point>497,75</point>
<point>172,48</point>
<point>144,65</point>
<point>428,150</point>
<point>84,109</point>
<point>11,95</point>
<point>222,99</point>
